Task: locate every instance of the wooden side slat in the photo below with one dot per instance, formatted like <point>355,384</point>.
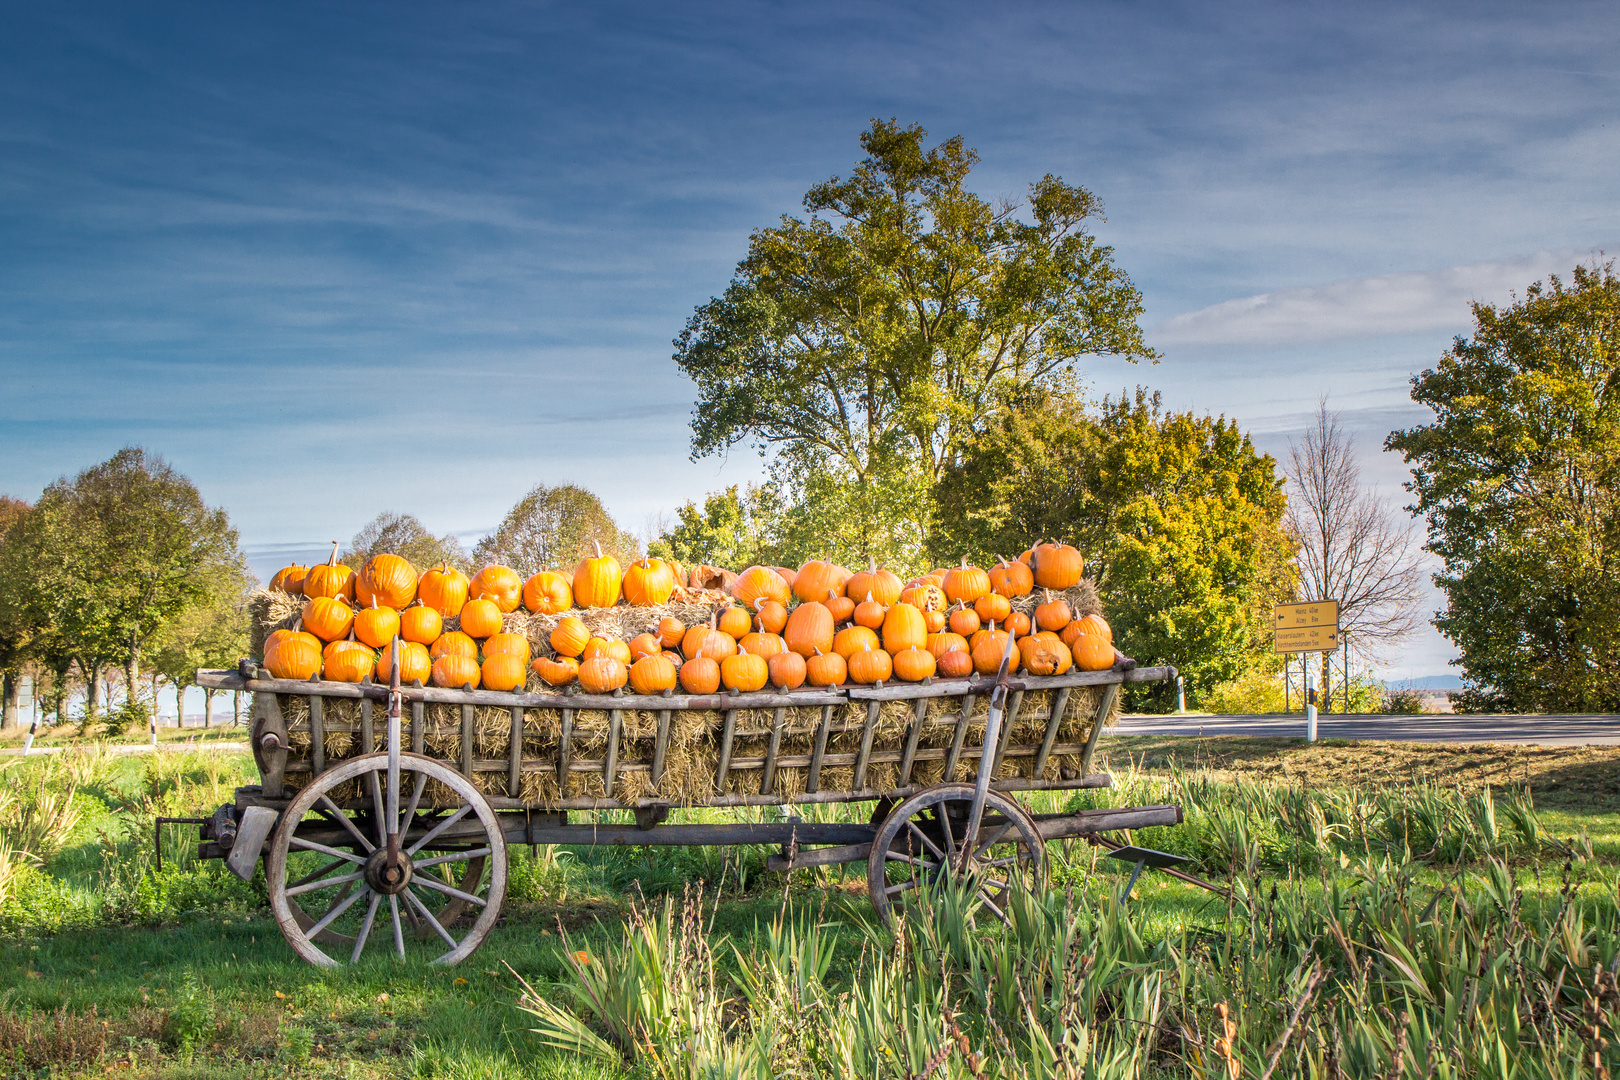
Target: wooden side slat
<point>1059,702</point>
<point>469,733</point>
<point>368,733</point>
<point>661,746</point>
<point>812,782</point>
<point>1004,737</point>
<point>418,726</point>
<point>514,754</point>
<point>728,733</point>
<point>960,738</point>
<point>317,733</point>
<point>867,732</point>
<point>918,710</point>
<point>777,723</point>
<point>565,751</point>
<point>610,767</point>
<point>1097,722</point>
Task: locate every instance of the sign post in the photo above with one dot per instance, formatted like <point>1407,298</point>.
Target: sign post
<point>1312,626</point>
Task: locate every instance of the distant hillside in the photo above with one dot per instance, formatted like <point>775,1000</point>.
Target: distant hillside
<point>1428,682</point>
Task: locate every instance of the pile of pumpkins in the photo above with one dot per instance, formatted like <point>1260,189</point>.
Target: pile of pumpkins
<point>820,624</point>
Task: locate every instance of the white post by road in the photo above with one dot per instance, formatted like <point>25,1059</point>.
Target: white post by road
<point>1310,706</point>
<point>1181,695</point>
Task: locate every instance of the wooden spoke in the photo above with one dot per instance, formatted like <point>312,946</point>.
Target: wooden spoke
<point>343,819</point>
<point>422,910</point>
<point>315,886</point>
<point>310,845</point>
<point>452,857</point>
<point>322,872</point>
<point>430,882</point>
<point>365,926</point>
<point>912,825</point>
<point>437,829</point>
<point>336,910</point>
<point>399,935</point>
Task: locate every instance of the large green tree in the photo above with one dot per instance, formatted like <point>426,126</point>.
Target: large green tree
<point>14,632</point>
<point>108,558</point>
<point>1519,478</point>
<point>1178,516</point>
<point>552,528</point>
<point>212,632</point>
<point>731,529</point>
<point>862,347</point>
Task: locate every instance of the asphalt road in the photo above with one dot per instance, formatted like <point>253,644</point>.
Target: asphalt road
<point>1586,729</point>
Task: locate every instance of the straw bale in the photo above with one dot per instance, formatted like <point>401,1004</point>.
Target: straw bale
<point>270,610</point>
<point>1083,600</point>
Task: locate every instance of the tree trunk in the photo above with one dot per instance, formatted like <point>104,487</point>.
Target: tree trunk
<point>236,708</point>
<point>92,687</point>
<point>132,668</point>
<point>180,704</point>
<point>11,686</point>
<point>208,708</point>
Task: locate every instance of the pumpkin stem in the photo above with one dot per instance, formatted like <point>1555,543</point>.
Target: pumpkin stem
<point>332,560</point>
<point>598,546</point>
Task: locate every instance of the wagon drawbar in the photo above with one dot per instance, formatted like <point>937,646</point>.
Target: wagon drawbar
<point>425,836</point>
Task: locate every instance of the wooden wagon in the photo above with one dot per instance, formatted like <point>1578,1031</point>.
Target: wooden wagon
<point>418,837</point>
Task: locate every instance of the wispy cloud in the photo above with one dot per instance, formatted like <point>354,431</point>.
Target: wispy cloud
<point>1383,305</point>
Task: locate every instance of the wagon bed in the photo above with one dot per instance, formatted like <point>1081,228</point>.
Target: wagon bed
<point>312,801</point>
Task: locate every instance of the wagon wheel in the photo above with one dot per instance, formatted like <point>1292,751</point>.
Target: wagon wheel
<point>925,838</point>
<point>351,858</point>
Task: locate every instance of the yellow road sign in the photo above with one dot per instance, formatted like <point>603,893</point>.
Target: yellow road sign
<point>1309,627</point>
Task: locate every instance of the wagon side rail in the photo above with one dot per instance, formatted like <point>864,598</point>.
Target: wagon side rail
<point>271,744</point>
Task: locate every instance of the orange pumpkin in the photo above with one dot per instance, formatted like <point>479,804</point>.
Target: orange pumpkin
<point>842,608</point>
<point>817,580</point>
<point>1040,654</point>
<point>652,674</point>
<point>870,666</point>
<point>760,643</point>
<point>501,584</point>
<point>941,643</point>
<point>1017,624</point>
<point>707,641</point>
<point>712,578</point>
<point>389,579</point>
<point>759,583</point>
<point>558,672</point>
<point>1094,625</point>
<point>670,631</point>
<point>964,620</point>
<point>869,613</point>
<point>956,664</point>
<point>934,620</point>
<point>744,672</point>
<point>377,626</point>
<point>328,617</point>
<point>881,585</point>
<point>809,627</point>
<point>992,607</point>
<point>1054,614</point>
<point>569,636</point>
<point>444,589</point>
<point>735,621</point>
<point>296,656</point>
<point>826,669</point>
<point>453,643</point>
<point>914,664</point>
<point>645,645</point>
<point>507,645</point>
<point>1056,566</point>
<point>1011,579</point>
<point>966,583</point>
<point>648,583</point>
<point>480,618</point>
<point>925,597</point>
<point>420,624</point>
<point>332,648</point>
<point>597,583</point>
<point>548,593</point>
<point>350,665</point>
<point>601,646</point>
<point>787,670</point>
<point>331,579</point>
<point>505,671</point>
<point>903,628</point>
<point>700,675</point>
<point>852,639</point>
<point>290,579</point>
<point>415,665</point>
<point>603,675</point>
<point>1092,653</point>
<point>788,574</point>
<point>988,651</point>
<point>276,636</point>
<point>771,616</point>
<point>456,672</point>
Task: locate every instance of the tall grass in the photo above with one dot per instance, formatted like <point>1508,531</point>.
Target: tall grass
<point>1364,975</point>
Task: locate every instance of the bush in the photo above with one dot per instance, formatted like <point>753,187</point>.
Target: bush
<point>1404,702</point>
<point>1255,691</point>
<point>133,715</point>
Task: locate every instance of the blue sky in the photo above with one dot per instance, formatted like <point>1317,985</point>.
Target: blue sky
<point>343,258</point>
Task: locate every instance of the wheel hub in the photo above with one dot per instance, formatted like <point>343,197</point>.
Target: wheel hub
<point>388,878</point>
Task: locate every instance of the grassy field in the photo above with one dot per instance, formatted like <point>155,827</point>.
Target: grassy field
<point>1368,879</point>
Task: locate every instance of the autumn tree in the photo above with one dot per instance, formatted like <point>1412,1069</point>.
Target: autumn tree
<point>1178,516</point>
<point>733,528</point>
<point>210,633</point>
<point>404,535</point>
<point>14,632</point>
<point>862,347</point>
<point>1352,546</point>
<point>1518,476</point>
<point>554,527</point>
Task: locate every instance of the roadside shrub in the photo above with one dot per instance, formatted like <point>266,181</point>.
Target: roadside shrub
<point>1255,691</point>
<point>1404,702</point>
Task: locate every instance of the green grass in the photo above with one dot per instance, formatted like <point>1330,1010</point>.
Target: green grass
<point>104,962</point>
